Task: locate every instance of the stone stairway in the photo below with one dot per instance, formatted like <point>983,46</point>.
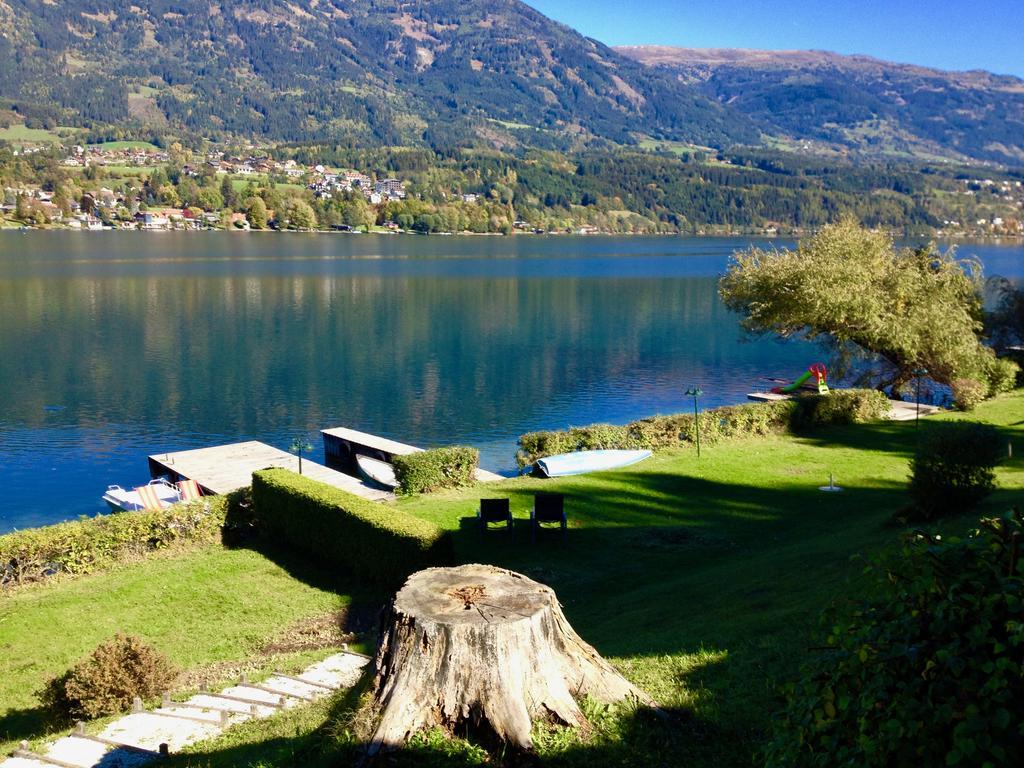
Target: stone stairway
<point>147,734</point>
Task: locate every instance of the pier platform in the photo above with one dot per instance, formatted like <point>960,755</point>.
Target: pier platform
<point>899,410</point>
<point>341,445</point>
<point>225,468</point>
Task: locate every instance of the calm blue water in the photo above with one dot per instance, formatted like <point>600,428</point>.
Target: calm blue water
<point>117,345</point>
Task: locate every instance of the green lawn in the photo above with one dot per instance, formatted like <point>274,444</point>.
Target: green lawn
<point>198,607</point>
<point>702,579</point>
<point>120,171</point>
<point>21,133</point>
<point>239,183</point>
<point>116,146</point>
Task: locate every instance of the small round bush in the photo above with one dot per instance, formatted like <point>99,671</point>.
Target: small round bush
<point>953,468</point>
<point>925,670</point>
<point>107,680</point>
<point>968,394</point>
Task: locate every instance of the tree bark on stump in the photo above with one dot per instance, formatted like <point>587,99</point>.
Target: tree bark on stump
<point>486,645</point>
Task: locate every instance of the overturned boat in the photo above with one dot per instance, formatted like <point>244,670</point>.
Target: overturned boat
<point>377,472</point>
<point>581,462</point>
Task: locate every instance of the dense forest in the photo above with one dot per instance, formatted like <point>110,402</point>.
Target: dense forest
<point>620,190</point>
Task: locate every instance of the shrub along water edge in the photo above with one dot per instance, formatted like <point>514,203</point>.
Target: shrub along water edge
<point>426,471</point>
<point>848,406</point>
<point>86,546</point>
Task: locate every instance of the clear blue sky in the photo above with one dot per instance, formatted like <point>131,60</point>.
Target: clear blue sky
<point>948,34</point>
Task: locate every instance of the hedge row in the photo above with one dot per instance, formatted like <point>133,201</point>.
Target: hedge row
<point>848,406</point>
<point>438,468</point>
<point>373,541</point>
<point>92,544</point>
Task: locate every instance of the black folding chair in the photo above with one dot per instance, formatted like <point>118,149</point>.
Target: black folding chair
<point>494,511</point>
<point>547,508</point>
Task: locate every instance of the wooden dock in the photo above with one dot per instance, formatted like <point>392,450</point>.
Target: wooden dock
<point>225,468</point>
<point>899,410</point>
<point>341,445</point>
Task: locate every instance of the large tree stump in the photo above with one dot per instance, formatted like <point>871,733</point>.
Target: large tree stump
<point>486,645</point>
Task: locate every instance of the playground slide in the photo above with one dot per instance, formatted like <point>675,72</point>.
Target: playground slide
<point>795,385</point>
<point>815,371</point>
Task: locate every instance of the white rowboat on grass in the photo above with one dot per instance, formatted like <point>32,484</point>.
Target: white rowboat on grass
<point>581,462</point>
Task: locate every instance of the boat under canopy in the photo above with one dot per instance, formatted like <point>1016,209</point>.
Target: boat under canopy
<point>377,471</point>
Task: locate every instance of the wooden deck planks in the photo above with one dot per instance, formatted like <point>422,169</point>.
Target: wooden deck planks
<point>225,468</point>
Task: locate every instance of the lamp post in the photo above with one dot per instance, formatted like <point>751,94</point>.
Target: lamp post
<point>298,446</point>
<point>918,373</point>
<point>695,392</point>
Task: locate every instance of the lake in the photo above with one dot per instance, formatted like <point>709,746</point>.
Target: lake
<point>117,345</point>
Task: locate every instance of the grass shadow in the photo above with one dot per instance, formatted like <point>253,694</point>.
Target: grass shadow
<point>26,723</point>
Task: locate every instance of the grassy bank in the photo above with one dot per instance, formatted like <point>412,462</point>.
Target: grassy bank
<point>203,608</point>
<point>702,579</point>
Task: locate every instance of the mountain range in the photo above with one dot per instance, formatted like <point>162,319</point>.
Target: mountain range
<point>451,73</point>
<point>856,103</point>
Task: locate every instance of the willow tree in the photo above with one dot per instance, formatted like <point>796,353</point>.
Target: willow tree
<point>853,288</point>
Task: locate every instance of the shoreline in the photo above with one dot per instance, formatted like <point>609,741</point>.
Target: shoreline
<point>796,234</point>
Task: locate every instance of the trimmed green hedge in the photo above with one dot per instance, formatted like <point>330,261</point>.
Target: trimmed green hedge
<point>426,471</point>
<point>89,545</point>
<point>375,542</point>
<point>848,406</point>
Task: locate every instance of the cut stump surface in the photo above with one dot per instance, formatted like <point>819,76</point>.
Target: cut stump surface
<point>489,646</point>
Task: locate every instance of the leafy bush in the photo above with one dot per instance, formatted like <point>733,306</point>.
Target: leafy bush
<point>967,394</point>
<point>1002,374</point>
<point>925,670</point>
<point>438,468</point>
<point>537,445</point>
<point>844,406</point>
<point>728,422</point>
<point>656,432</point>
<point>952,469</point>
<point>373,541</point>
<point>89,545</point>
<point>1016,358</point>
<point>106,682</point>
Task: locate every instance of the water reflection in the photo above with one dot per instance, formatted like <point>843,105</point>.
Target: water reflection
<point>149,346</point>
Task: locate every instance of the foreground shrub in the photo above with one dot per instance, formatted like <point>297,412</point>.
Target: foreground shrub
<point>106,682</point>
<point>953,468</point>
<point>426,471</point>
<point>924,671</point>
<point>373,541</point>
<point>89,545</point>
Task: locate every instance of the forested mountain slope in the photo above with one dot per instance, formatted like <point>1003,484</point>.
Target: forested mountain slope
<point>364,71</point>
<point>857,103</point>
